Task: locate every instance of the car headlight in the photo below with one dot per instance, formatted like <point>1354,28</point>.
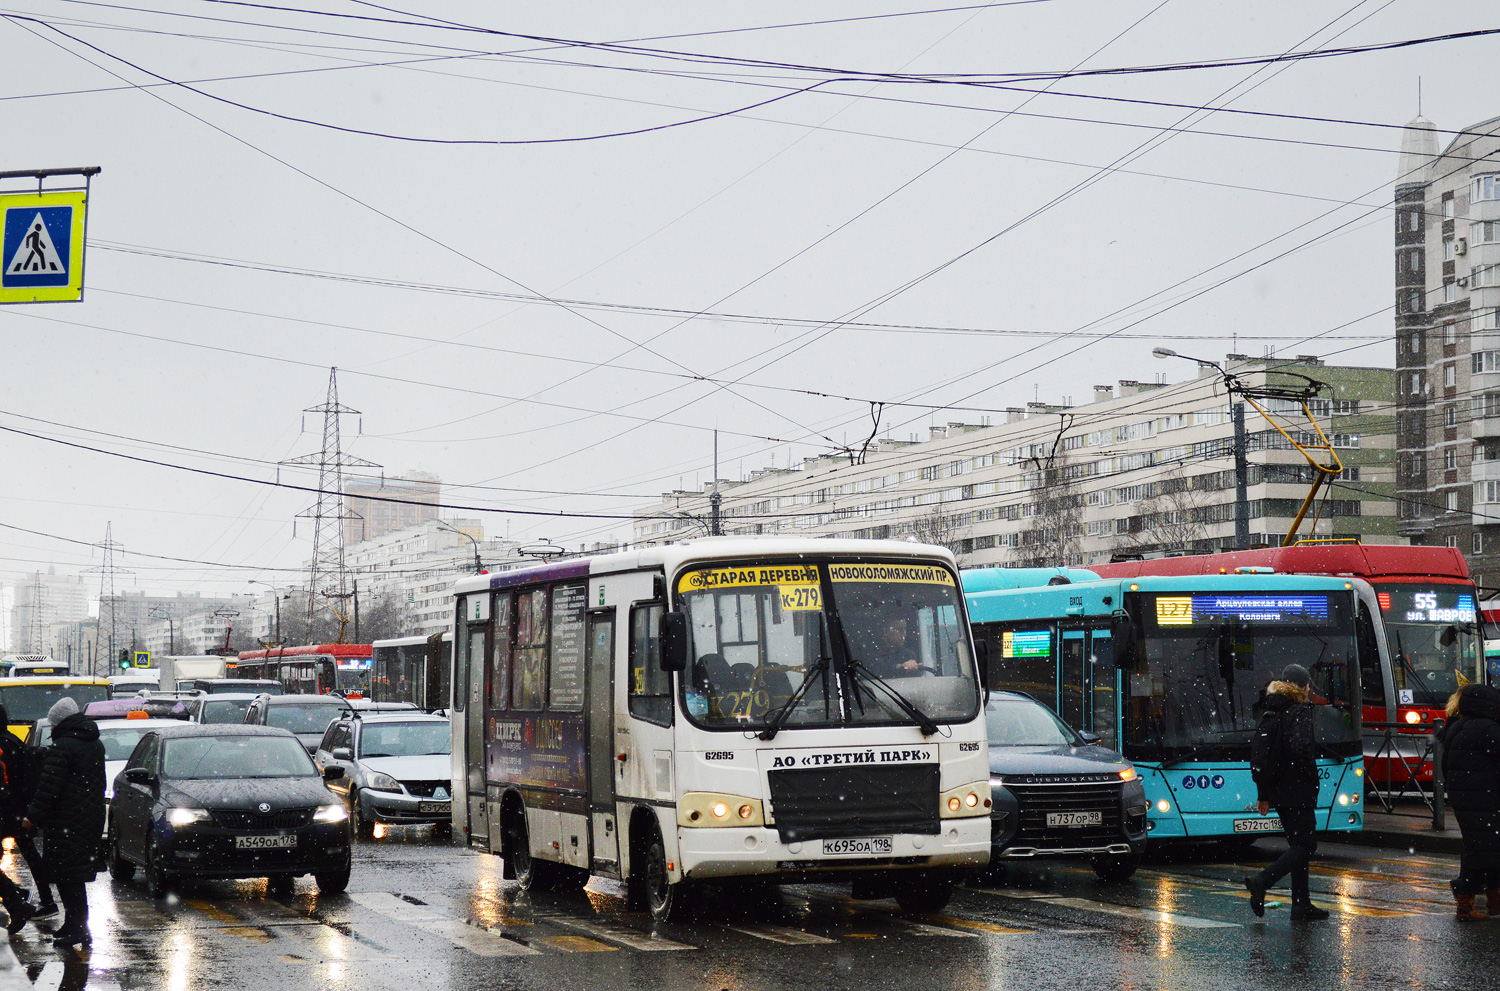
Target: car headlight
<point>1128,774</point>
<point>186,817</point>
<point>382,782</point>
<point>996,782</point>
<point>331,813</point>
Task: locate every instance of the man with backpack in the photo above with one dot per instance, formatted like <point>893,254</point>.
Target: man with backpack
<point>1284,764</point>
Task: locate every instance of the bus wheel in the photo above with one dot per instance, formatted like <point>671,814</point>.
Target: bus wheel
<point>1115,867</point>
<point>667,902</point>
<point>922,892</point>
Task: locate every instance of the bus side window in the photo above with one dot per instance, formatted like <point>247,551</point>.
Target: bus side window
<point>650,687</point>
<point>529,657</point>
<point>500,664</point>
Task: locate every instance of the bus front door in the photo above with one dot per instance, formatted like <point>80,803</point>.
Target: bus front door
<point>601,740</point>
<point>479,831</point>
<point>1072,681</point>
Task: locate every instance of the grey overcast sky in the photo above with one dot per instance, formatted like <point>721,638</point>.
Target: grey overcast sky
<point>490,270</point>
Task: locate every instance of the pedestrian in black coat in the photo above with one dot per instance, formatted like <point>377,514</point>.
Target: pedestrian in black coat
<point>1284,764</point>
<point>1471,776</point>
<point>68,806</point>
<point>16,764</point>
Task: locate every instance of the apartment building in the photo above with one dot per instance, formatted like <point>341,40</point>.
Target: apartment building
<point>1146,468</point>
<point>1447,323</point>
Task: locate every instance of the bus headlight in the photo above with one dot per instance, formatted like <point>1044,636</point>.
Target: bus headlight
<point>1343,799</point>
<point>1164,806</point>
<point>706,808</point>
<point>1413,716</point>
<point>965,800</point>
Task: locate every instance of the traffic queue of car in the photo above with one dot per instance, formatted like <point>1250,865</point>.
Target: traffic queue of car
<point>224,783</point>
<point>221,782</point>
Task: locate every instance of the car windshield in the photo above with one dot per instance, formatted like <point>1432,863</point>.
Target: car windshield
<point>1024,723</point>
<point>761,637</point>
<point>120,741</point>
<point>1433,634</point>
<point>236,757</point>
<point>225,711</point>
<point>404,739</point>
<point>28,703</point>
<point>303,717</point>
<point>1204,660</point>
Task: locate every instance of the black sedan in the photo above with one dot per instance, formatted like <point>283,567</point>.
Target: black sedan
<point>226,801</point>
<point>1057,793</point>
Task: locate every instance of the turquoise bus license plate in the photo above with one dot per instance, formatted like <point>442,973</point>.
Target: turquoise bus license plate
<point>1257,825</point>
<point>857,846</point>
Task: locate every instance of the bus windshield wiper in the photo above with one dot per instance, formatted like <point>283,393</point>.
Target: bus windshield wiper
<point>924,722</point>
<point>1411,668</point>
<point>1195,753</point>
<point>781,715</point>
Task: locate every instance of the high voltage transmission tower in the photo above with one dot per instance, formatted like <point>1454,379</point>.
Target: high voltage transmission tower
<point>327,574</point>
<point>104,631</point>
<point>36,627</point>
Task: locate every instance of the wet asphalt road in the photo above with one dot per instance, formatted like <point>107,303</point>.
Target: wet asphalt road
<point>423,914</point>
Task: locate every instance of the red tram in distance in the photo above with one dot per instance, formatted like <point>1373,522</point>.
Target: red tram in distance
<point>1423,610</point>
<point>312,669</point>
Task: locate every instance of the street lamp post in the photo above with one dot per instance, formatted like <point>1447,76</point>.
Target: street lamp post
<point>478,567</point>
<point>1241,460</point>
<point>171,628</point>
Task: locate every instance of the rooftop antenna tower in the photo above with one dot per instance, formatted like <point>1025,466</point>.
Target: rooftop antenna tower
<point>327,573</point>
<point>105,630</point>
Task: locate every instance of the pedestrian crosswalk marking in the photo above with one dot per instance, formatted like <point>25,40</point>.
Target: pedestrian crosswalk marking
<point>576,944</point>
<point>460,934</point>
<point>1109,908</point>
<point>781,934</point>
<point>616,934</point>
<point>989,927</point>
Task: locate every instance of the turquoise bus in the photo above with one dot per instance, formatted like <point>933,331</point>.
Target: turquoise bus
<point>1168,671</point>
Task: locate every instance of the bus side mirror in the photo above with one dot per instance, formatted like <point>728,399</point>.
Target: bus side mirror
<point>982,661</point>
<point>674,641</point>
<point>1122,632</point>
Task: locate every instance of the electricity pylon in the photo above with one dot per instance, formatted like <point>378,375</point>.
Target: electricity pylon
<point>327,574</point>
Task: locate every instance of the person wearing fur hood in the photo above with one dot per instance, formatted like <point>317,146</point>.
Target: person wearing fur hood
<point>1471,776</point>
<point>1283,762</point>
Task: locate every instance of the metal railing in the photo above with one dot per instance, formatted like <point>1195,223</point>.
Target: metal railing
<point>1407,749</point>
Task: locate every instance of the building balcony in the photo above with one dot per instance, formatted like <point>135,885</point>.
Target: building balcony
<point>1486,471</point>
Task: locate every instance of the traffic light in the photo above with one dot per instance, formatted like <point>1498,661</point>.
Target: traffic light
<point>124,659</point>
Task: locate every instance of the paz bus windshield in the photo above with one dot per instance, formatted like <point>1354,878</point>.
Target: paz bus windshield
<point>1434,637</point>
<point>830,644</point>
<point>1203,661</point>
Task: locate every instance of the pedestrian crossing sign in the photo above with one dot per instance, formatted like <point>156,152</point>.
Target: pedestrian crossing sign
<point>41,254</point>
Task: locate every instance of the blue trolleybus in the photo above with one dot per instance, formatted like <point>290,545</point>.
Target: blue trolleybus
<point>1169,671</point>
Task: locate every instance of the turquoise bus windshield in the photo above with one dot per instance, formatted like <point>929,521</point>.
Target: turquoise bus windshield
<point>1203,661</point>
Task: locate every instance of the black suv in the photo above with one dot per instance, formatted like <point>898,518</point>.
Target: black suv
<point>1058,793</point>
<point>307,716</point>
